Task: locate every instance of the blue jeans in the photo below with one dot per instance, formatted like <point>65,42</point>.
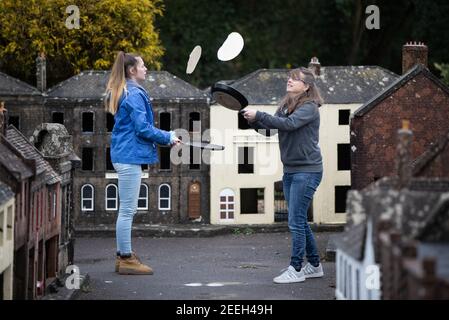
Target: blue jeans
<point>129,180</point>
<point>298,191</point>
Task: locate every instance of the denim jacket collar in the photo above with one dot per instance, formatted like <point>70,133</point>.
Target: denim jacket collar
<point>133,83</point>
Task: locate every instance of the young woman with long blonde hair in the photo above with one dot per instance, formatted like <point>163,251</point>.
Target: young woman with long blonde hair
<point>133,143</point>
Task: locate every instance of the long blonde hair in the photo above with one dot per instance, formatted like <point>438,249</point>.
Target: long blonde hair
<point>117,80</point>
<point>294,100</point>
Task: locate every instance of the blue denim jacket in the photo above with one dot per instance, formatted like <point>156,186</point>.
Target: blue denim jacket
<point>134,137</point>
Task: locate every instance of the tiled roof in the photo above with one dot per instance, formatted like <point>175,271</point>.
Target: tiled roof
<point>13,163</point>
<point>395,85</point>
<point>13,86</point>
<point>16,138</point>
<point>161,85</point>
<point>415,212</point>
<point>5,193</point>
<point>352,241</point>
<point>337,84</point>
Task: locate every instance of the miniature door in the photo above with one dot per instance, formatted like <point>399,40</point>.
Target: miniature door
<point>194,201</point>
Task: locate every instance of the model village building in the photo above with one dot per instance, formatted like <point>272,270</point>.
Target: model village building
<point>396,241</point>
<point>397,226</point>
<point>39,175</point>
<point>43,245</point>
<point>417,96</point>
<point>246,180</point>
<point>7,210</point>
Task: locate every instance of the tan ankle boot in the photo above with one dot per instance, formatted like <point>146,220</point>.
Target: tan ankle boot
<point>133,265</point>
<point>117,261</point>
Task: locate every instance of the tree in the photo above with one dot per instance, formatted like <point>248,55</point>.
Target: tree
<point>105,26</point>
<point>444,69</point>
<point>282,34</point>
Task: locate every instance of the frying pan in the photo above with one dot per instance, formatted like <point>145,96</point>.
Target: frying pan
<point>228,97</point>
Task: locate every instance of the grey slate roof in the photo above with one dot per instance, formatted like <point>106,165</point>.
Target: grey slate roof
<point>161,85</point>
<point>415,212</point>
<point>16,138</point>
<point>395,85</point>
<point>338,84</point>
<point>5,193</point>
<point>352,242</point>
<point>15,165</point>
<point>13,86</point>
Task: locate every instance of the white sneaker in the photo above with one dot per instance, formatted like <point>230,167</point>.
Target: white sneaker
<point>290,275</point>
<point>313,272</point>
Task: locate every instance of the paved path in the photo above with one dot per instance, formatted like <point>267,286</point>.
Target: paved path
<point>233,266</point>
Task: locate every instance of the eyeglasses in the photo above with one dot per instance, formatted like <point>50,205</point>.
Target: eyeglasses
<point>296,80</point>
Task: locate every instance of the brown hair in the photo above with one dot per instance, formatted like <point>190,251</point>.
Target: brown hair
<point>294,100</point>
<point>117,79</point>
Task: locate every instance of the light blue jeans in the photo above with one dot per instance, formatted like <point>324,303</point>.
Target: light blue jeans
<point>129,180</point>
<point>298,191</point>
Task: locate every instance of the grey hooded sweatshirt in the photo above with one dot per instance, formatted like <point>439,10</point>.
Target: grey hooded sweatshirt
<point>298,136</point>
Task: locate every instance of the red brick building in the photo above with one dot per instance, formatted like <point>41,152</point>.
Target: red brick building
<point>417,96</point>
<point>44,221</point>
<point>17,173</point>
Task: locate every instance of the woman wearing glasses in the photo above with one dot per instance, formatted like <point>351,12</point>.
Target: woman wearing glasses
<point>297,120</point>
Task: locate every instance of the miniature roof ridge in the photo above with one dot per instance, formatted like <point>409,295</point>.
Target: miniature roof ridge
<point>21,84</point>
<point>396,85</point>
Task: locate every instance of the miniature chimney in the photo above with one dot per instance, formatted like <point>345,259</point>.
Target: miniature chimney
<point>315,66</point>
<point>41,72</point>
<point>412,54</point>
<point>403,155</point>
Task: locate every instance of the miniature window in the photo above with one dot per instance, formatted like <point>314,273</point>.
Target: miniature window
<point>246,160</point>
<point>57,117</point>
<point>195,158</point>
<point>194,122</point>
<point>344,156</point>
<point>252,200</point>
<point>109,166</point>
<point>87,198</point>
<point>110,121</point>
<point>111,197</point>
<point>142,203</point>
<point>227,204</point>
<point>164,197</point>
<point>9,224</point>
<point>343,117</point>
<point>165,163</point>
<point>88,121</point>
<point>87,159</point>
<point>341,193</point>
<point>165,121</point>
<point>53,205</point>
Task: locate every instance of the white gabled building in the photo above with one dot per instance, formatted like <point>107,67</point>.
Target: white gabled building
<point>7,211</point>
<point>417,213</point>
<point>251,193</point>
<point>357,273</point>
